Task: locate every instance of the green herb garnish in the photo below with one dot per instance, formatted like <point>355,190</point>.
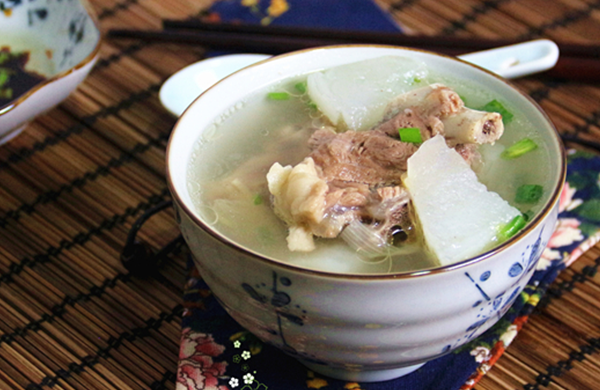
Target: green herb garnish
<point>414,80</point>
<point>278,95</point>
<point>4,76</point>
<point>496,106</point>
<point>312,105</point>
<point>4,56</point>
<point>529,193</point>
<point>300,87</point>
<point>511,228</point>
<point>518,149</point>
<point>411,135</point>
<point>257,200</point>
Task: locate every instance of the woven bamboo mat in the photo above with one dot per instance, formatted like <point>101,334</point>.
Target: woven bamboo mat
<point>71,185</point>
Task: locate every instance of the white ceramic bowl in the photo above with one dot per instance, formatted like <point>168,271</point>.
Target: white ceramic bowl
<point>63,41</point>
<point>357,327</point>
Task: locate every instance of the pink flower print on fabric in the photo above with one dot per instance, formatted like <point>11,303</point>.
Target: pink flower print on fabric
<point>566,233</point>
<point>197,369</point>
<point>567,202</point>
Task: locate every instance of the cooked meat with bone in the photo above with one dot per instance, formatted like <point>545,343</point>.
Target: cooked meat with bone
<point>370,157</point>
<point>436,109</point>
<point>357,176</point>
<point>409,117</point>
<point>473,127</point>
<point>433,100</point>
<point>312,206</point>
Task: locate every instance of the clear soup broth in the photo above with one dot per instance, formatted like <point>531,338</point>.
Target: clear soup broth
<point>228,185</point>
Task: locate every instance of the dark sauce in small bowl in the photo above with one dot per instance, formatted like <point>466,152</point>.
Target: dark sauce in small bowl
<point>14,79</point>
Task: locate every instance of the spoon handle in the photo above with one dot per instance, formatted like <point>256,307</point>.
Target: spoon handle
<point>517,60</point>
<point>180,90</point>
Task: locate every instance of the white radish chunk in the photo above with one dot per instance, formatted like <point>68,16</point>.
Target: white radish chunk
<point>459,217</point>
<point>354,96</point>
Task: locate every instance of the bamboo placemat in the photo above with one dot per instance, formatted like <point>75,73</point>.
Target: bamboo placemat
<point>71,185</point>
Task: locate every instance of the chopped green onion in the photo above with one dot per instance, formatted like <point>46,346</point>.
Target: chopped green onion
<point>511,228</point>
<point>300,87</point>
<point>414,80</point>
<point>4,76</point>
<point>411,135</point>
<point>519,148</point>
<point>312,105</point>
<point>278,95</point>
<point>257,199</point>
<point>4,56</point>
<point>496,106</point>
<point>529,193</point>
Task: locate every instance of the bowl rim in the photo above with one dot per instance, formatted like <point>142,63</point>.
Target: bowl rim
<point>89,58</point>
<point>542,215</point>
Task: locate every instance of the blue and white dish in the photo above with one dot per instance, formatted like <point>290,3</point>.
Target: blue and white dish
<point>62,39</point>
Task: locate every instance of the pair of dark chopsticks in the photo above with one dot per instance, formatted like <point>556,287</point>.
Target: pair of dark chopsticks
<point>577,61</point>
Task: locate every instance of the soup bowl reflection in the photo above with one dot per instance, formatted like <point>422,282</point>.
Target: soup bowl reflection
<point>357,327</point>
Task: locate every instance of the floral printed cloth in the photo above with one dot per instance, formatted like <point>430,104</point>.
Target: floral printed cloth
<point>217,354</point>
<point>340,14</point>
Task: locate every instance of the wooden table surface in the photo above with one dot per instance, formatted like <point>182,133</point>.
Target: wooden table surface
<point>71,316</point>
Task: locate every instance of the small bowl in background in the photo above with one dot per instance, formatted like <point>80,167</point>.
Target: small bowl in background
<point>60,41</point>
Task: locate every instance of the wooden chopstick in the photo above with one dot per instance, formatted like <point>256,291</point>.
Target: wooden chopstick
<point>463,44</point>
<point>575,68</point>
<point>227,41</point>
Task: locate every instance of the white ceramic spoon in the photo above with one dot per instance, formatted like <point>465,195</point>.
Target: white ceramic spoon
<point>183,87</point>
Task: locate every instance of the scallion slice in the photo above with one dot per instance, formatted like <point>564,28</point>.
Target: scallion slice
<point>518,149</point>
<point>411,135</point>
<point>414,80</point>
<point>529,193</point>
<point>300,87</point>
<point>4,76</point>
<point>496,106</point>
<point>511,228</point>
<point>278,95</point>
<point>257,199</point>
